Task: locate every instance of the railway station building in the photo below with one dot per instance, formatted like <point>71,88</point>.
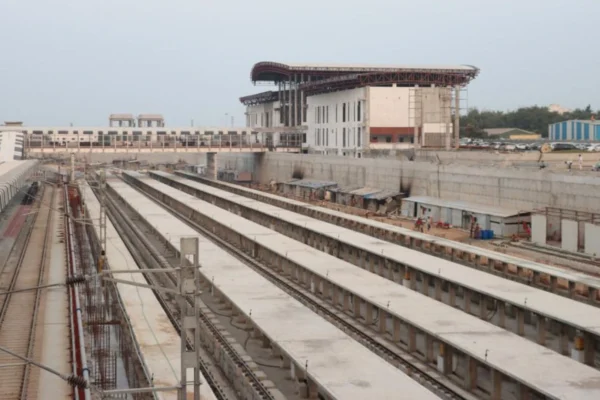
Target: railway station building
<point>349,109</point>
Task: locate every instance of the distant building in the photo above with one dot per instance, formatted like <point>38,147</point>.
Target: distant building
<point>11,146</point>
<point>557,108</point>
<point>575,130</point>
<point>512,134</point>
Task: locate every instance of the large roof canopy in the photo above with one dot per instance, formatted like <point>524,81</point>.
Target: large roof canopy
<point>268,71</point>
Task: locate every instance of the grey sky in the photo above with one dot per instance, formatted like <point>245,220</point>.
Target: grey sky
<point>77,61</point>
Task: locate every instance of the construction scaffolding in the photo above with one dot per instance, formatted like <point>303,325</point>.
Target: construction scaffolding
<point>434,114</point>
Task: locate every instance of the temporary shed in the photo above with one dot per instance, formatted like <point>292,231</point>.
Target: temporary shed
<point>307,188</point>
<point>384,201</point>
<point>502,221</point>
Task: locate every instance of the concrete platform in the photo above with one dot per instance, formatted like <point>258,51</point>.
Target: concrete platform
<point>343,368</point>
<point>525,362</point>
<point>569,312</point>
<point>156,337</point>
<point>382,229</point>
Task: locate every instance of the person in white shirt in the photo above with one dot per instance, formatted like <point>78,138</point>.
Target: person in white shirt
<point>580,162</point>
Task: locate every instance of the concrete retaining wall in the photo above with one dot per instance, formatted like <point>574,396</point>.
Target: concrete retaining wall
<point>508,187</point>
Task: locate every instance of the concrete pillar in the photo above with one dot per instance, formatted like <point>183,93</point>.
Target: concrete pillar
<point>290,123</point>
<point>382,321</point>
<point>564,340</point>
<point>369,313</point>
<point>301,101</point>
<point>467,300</point>
<point>346,301</point>
<point>452,292</point>
<point>425,284</point>
<point>456,116</point>
<point>438,289</point>
<point>396,330</point>
<point>482,307</point>
<point>211,165</point>
<point>429,349</point>
<point>501,314</point>
<point>520,322</point>
<point>412,339</point>
<point>592,294</point>
<point>541,330</point>
<point>357,302</point>
<point>553,283</point>
<point>470,373</point>
<point>445,357</point>
<point>496,385</point>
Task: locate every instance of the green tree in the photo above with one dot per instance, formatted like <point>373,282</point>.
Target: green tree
<point>535,119</point>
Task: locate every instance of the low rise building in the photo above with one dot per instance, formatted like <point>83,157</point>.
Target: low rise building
<point>575,130</point>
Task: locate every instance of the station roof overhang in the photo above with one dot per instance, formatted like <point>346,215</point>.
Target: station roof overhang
<point>324,78</point>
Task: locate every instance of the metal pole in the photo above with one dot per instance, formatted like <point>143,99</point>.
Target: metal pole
<point>189,285</point>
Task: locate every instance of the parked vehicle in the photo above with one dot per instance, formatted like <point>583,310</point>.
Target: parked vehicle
<point>593,147</point>
<point>563,146</point>
<point>522,147</point>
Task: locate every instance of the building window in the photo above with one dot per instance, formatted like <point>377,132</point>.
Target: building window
<point>327,132</point>
<point>336,117</point>
<point>358,111</point>
<point>358,136</point>
<point>327,115</point>
<point>388,139</point>
<point>344,112</point>
<point>344,136</point>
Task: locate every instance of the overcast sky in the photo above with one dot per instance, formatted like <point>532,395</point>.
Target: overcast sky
<point>77,61</point>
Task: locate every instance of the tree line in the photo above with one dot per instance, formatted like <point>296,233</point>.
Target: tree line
<point>535,119</point>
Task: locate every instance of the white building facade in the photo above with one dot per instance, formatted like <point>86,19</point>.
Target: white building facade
<point>350,122</point>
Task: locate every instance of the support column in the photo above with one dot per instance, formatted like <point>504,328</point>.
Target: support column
<point>301,101</point>
<point>496,385</point>
<point>445,356</point>
<point>369,313</point>
<point>425,284</point>
<point>452,292</point>
<point>346,301</point>
<point>456,116</point>
<point>297,101</point>
<point>502,315</point>
<point>412,339</point>
<point>382,321</point>
<point>290,100</point>
<point>520,322</point>
<point>467,300</point>
<point>357,302</point>
<point>470,373</point>
<point>396,330</point>
<point>429,348</point>
<point>438,289</point>
<point>541,330</point>
<point>211,165</point>
<point>564,340</point>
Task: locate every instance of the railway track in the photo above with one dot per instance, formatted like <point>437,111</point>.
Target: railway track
<point>170,304</point>
<point>25,268</point>
<point>368,337</point>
